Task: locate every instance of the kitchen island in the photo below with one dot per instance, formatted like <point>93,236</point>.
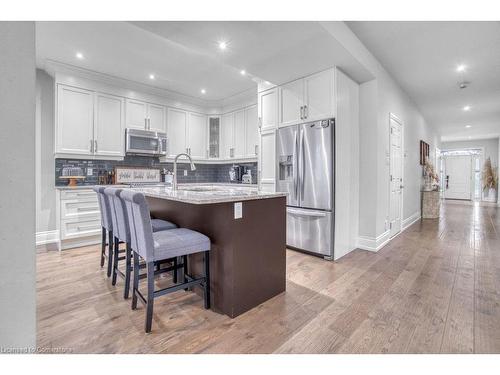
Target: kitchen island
<point>247,229</point>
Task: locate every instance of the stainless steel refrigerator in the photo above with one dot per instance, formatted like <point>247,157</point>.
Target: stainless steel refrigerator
<point>306,173</point>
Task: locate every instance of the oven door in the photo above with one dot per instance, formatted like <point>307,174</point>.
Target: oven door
<point>142,143</point>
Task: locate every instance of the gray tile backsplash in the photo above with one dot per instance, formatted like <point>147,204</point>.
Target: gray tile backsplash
<point>203,173</point>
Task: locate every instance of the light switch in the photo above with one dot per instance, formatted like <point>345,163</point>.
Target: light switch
<point>238,210</point>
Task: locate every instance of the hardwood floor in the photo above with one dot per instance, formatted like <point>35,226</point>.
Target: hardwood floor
<point>434,289</point>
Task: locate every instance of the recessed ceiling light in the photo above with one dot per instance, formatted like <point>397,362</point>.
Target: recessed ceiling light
<point>468,126</point>
<point>79,55</point>
<point>151,76</point>
<point>466,108</point>
<point>243,72</point>
<point>203,91</point>
<point>222,45</point>
<point>461,68</point>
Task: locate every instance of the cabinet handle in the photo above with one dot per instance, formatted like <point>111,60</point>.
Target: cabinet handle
<point>301,112</point>
<point>306,111</point>
<point>260,122</point>
<point>95,146</point>
<point>91,146</point>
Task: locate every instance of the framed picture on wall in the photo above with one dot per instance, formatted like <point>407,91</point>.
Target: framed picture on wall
<point>424,152</point>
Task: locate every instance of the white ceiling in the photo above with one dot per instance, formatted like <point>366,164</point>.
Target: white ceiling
<point>184,56</point>
<point>423,57</point>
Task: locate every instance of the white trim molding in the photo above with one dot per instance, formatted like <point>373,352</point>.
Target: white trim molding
<point>377,243</point>
<point>372,243</point>
<point>409,221</point>
<point>48,240</point>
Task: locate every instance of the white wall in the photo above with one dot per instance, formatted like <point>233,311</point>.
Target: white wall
<point>45,167</point>
<point>17,190</point>
<point>378,98</point>
<point>490,147</point>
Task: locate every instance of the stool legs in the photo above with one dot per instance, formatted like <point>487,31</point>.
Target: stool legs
<point>110,252</point>
<point>103,246</point>
<point>184,268</point>
<point>206,284</point>
<point>135,287</point>
<point>116,253</point>
<point>150,299</point>
<point>128,266</point>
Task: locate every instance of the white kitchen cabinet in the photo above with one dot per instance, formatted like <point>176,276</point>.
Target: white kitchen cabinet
<point>145,116</point>
<point>75,121</point>
<point>157,116</point>
<point>267,160</point>
<point>307,99</point>
<point>239,134</point>
<point>214,137</point>
<point>227,136</point>
<point>291,103</point>
<point>109,132</point>
<point>268,109</point>
<point>176,131</point>
<point>197,135</point>
<point>319,96</point>
<point>252,131</point>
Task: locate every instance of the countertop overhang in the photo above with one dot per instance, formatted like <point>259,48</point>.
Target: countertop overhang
<point>207,194</point>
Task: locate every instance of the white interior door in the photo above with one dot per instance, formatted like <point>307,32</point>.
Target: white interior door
<point>457,177</point>
<point>396,178</point>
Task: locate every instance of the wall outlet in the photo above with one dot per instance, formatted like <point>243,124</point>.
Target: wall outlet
<point>185,172</point>
<point>90,171</point>
<point>238,210</point>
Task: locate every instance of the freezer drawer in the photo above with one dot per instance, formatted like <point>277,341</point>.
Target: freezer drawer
<point>309,230</point>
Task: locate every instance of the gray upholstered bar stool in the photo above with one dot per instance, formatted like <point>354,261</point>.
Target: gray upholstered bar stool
<point>155,247</point>
<point>107,227</point>
<point>122,234</point>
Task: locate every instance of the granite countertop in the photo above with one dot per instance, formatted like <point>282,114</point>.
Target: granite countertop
<point>207,193</point>
<point>235,185</point>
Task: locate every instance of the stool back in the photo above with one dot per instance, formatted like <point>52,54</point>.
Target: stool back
<point>120,210</point>
<point>141,231</point>
<point>104,207</point>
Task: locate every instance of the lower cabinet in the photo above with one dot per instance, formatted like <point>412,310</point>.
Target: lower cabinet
<point>267,161</point>
<point>79,218</point>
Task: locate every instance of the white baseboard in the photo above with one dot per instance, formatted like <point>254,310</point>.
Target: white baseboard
<point>48,240</point>
<point>376,243</point>
<point>410,220</point>
<point>372,243</point>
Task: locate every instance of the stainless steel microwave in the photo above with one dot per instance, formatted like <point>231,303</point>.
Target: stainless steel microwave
<point>145,142</point>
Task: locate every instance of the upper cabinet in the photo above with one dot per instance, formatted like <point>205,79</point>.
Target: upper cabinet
<point>145,116</point>
<point>252,132</point>
<point>197,136</point>
<point>227,136</point>
<point>75,121</point>
<point>109,118</point>
<point>214,137</point>
<point>268,109</point>
<point>89,123</point>
<point>307,99</point>
<point>176,131</point>
<point>239,134</point>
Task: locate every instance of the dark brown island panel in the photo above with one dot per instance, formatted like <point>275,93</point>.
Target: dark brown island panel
<point>248,260</point>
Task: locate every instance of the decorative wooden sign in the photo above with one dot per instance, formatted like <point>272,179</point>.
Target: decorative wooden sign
<point>124,175</point>
<point>424,152</point>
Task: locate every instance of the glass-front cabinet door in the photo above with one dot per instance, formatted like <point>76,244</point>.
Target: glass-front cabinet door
<point>214,137</point>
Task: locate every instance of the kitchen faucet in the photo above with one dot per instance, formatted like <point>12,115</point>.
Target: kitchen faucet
<point>174,179</point>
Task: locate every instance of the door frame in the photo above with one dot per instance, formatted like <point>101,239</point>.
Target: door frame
<point>472,171</point>
<point>394,117</point>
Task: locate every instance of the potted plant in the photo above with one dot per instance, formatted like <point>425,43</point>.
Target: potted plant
<point>431,178</point>
<point>490,180</point>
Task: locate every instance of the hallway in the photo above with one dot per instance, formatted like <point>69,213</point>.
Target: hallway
<point>434,289</point>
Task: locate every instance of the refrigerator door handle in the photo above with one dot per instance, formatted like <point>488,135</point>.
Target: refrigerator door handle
<point>295,165</point>
<point>306,213</point>
<point>303,169</point>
